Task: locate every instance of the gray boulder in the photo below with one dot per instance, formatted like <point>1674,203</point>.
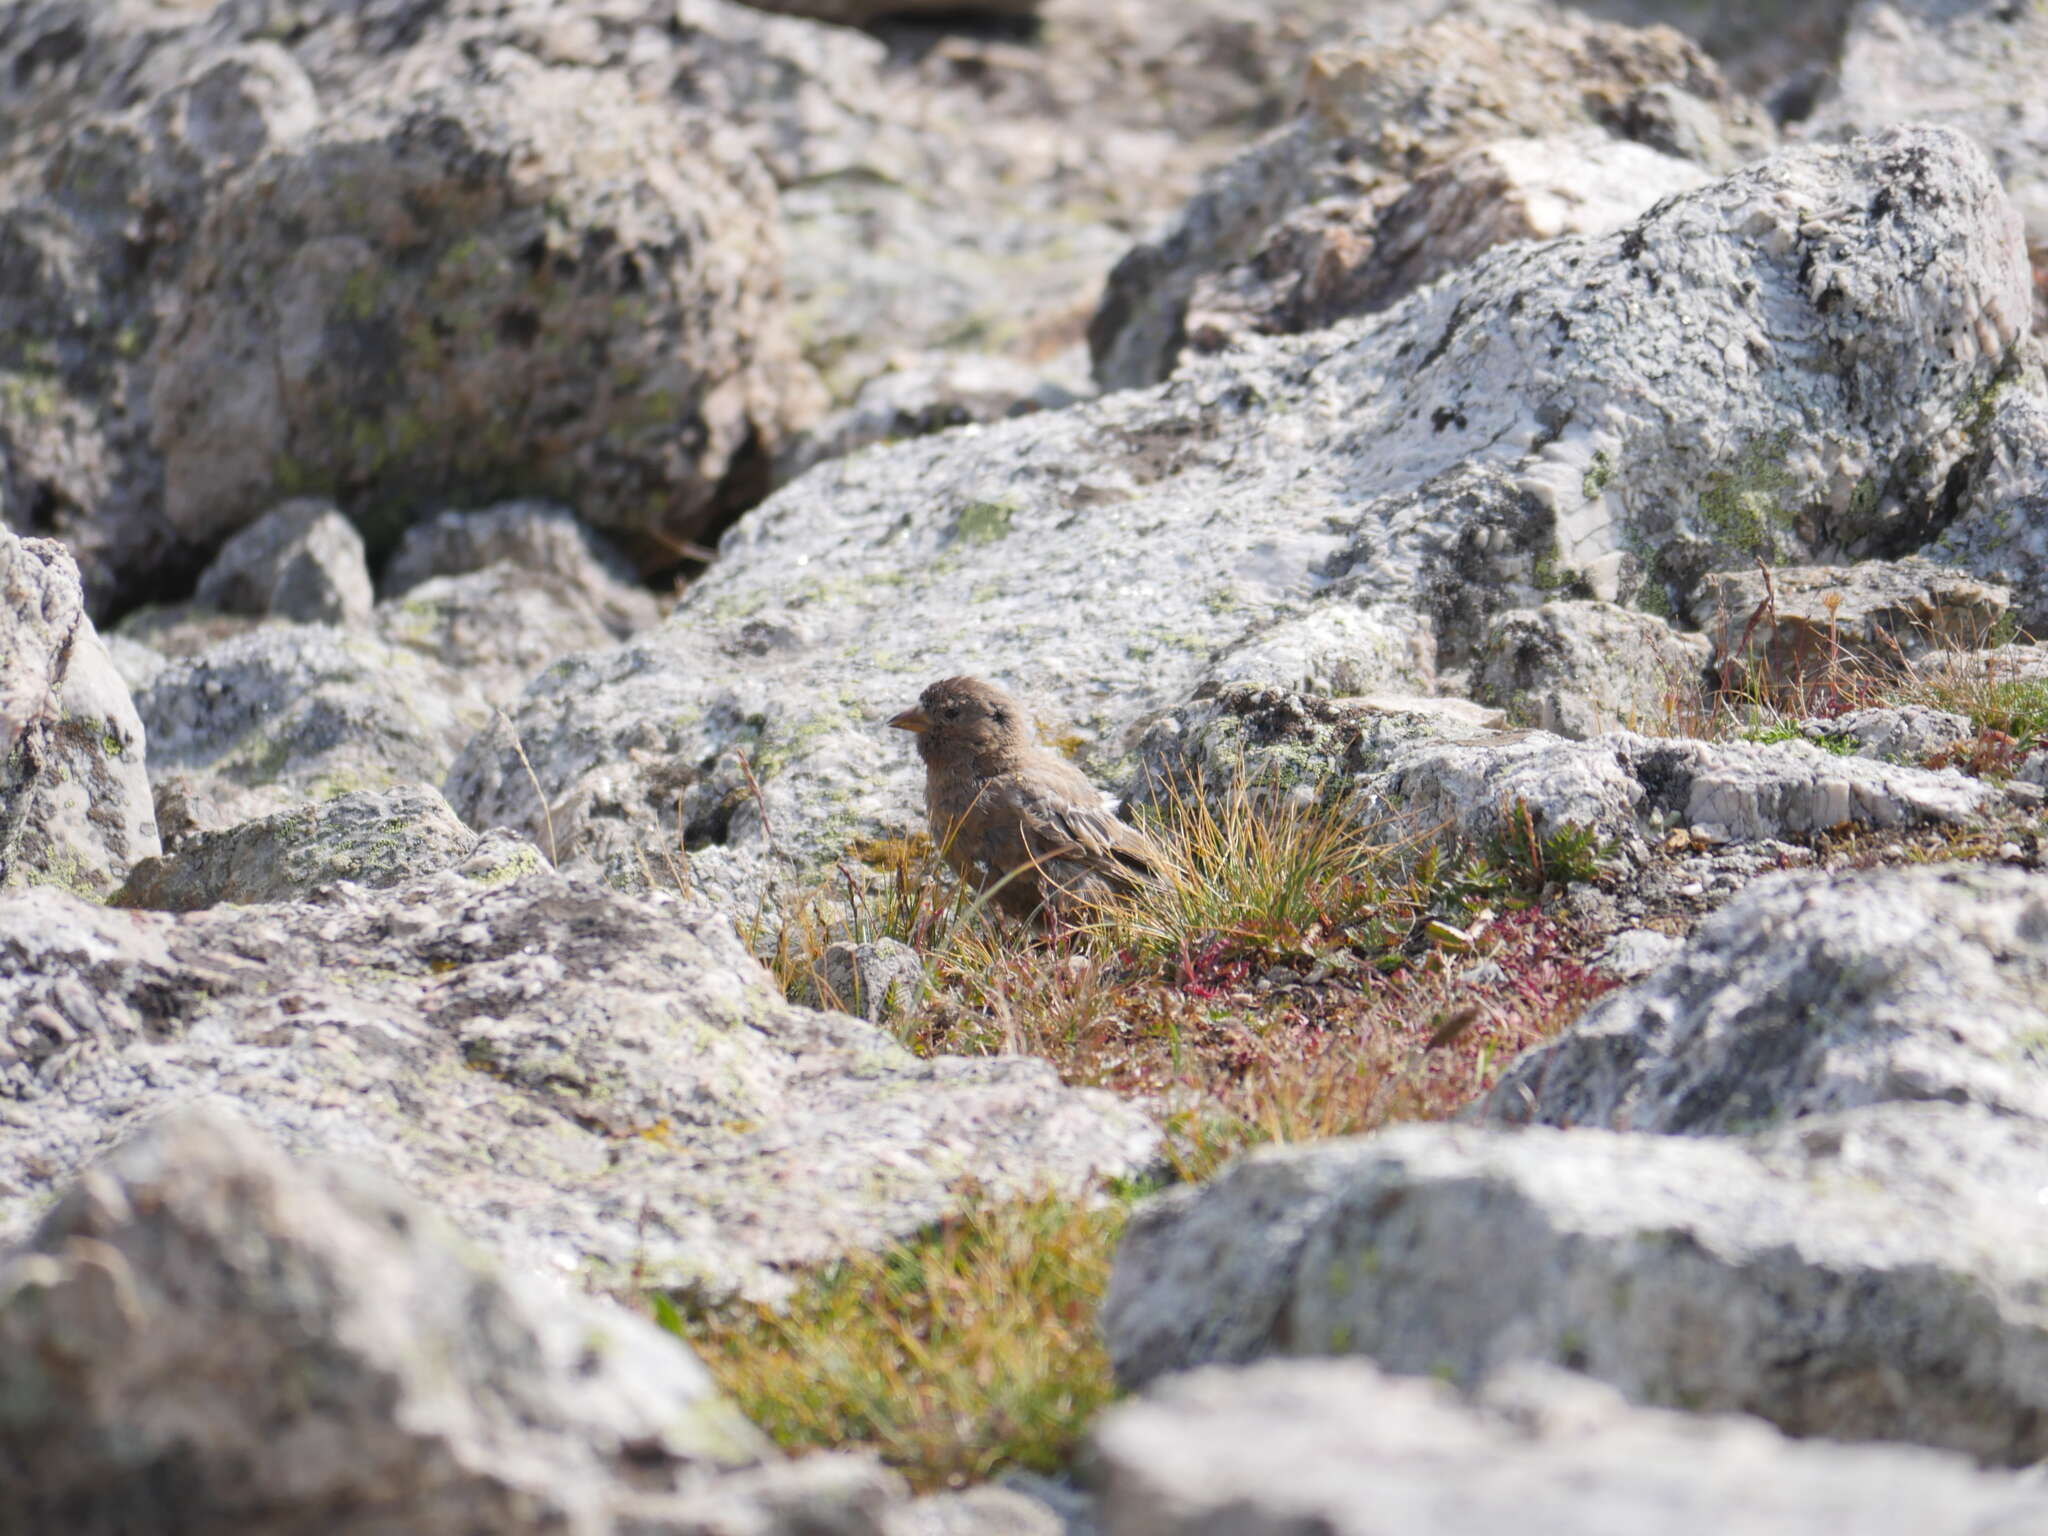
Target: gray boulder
<point>607,1087</point>
<point>107,163</point>
<point>1814,993</point>
<point>496,596</point>
<point>2001,532</point>
<point>1839,1278</point>
<point>371,839</point>
<point>928,392</point>
<point>206,1334</point>
<point>497,628</point>
<point>1382,111</point>
<point>1416,456</point>
<point>1996,664</point>
<point>1907,733</point>
<point>1339,1447</point>
<point>518,275</point>
<point>1366,650</point>
<point>1580,669</point>
<point>1774,49</point>
<point>877,981</point>
<point>1972,65</point>
<point>534,537</point>
<point>860,13</point>
<point>193,806</point>
<point>75,808</point>
<point>309,708</point>
<point>1431,772</point>
<point>302,561</point>
<point>1353,255</point>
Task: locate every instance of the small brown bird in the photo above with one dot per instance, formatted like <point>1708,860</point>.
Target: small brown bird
<point>1012,819</point>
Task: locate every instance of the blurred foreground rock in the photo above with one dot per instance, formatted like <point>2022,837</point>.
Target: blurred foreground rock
<point>606,1086</point>
<point>1339,1447</point>
<point>205,1334</point>
<point>1840,1278</point>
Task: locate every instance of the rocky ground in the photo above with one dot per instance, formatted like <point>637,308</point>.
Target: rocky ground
<point>1545,509</point>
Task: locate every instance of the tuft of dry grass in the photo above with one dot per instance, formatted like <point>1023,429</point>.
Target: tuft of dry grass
<point>1757,698</point>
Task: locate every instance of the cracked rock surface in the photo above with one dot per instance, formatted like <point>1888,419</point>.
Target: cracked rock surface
<point>602,1084</point>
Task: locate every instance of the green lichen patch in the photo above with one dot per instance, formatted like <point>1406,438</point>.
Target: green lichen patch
<point>983,522</point>
<point>1598,474</point>
<point>1744,507</point>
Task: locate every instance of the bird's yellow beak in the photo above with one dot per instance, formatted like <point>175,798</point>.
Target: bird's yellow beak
<point>913,719</point>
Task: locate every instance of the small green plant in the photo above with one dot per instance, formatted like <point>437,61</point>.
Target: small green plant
<point>966,1350</point>
<point>1530,860</point>
<point>1774,731</point>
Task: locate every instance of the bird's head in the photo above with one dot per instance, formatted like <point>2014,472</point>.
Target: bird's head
<point>962,719</point>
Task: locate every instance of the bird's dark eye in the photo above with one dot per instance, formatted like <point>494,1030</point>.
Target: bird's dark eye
<point>951,712</point>
<point>997,717</point>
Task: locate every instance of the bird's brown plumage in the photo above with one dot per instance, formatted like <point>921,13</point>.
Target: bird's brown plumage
<point>1012,819</point>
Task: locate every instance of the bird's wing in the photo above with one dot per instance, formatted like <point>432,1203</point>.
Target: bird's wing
<point>1063,816</point>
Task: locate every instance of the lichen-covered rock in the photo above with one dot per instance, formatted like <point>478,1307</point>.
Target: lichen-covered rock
<point>929,392</point>
<point>2001,531</point>
<point>1842,1278</point>
<point>606,1086</point>
<point>1342,1448</point>
<point>206,1334</point>
<point>1909,733</point>
<point>75,807</point>
<point>1734,348</point>
<point>1811,993</point>
<point>1580,669</point>
<point>1435,772</point>
<point>498,595</point>
<point>1972,65</point>
<point>351,1282</point>
<point>192,805</point>
<point>302,561</point>
<point>518,276</point>
<point>106,165</point>
<point>1334,648</point>
<point>1802,623</point>
<point>137,663</point>
<point>1381,111</point>
<point>1998,664</point>
<point>371,839</point>
<point>877,982</point>
<point>1773,49</point>
<point>543,540</point>
<point>1353,255</point>
<point>1635,952</point>
<point>948,189</point>
<point>498,627</point>
<point>860,13</point>
<point>180,630</point>
<point>988,1509</point>
<point>310,708</point>
<point>1743,792</point>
